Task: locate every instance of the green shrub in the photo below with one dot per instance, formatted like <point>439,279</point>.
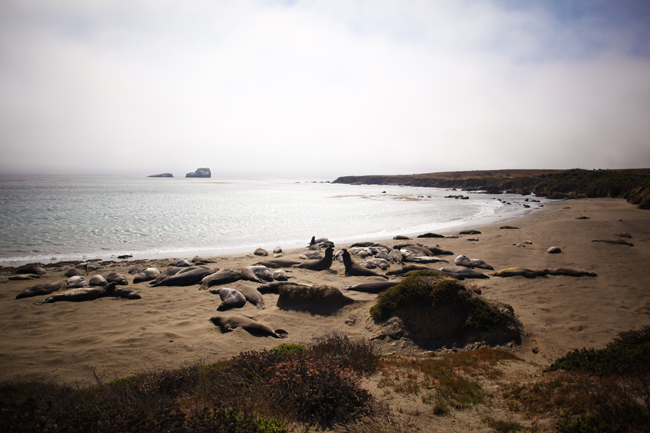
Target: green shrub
<point>482,316</point>
<point>360,355</point>
<point>289,349</point>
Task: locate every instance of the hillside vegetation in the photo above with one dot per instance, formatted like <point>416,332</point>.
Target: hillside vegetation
<point>632,184</point>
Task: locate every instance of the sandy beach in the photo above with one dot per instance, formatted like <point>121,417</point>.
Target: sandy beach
<point>110,338</point>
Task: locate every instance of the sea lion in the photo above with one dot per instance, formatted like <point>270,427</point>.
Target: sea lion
<point>324,243</point>
<point>274,287</point>
<point>76,282</point>
<point>115,277</point>
<point>97,281</point>
<point>228,323</point>
<point>262,272</point>
<point>373,287</point>
<point>353,269</point>
<point>518,271</point>
<point>230,298</point>
<point>570,272</point>
<point>509,228</point>
<point>401,238</point>
<point>222,276</point>
<point>136,269</point>
<point>146,275</point>
<point>312,255</point>
<point>188,278</point>
<point>462,271</point>
<point>319,265</point>
<point>40,289</point>
<point>252,295</point>
<point>24,277</point>
<point>79,295</point>
<point>278,263</point>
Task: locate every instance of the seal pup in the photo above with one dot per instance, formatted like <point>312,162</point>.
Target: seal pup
<point>353,269</point>
<point>188,278</point>
<point>373,287</point>
<point>115,277</point>
<point>319,265</point>
<point>83,294</point>
<point>40,289</point>
<point>146,275</point>
<point>76,282</point>
<point>228,323</point>
<point>230,298</point>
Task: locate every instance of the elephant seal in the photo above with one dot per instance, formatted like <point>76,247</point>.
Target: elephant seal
<point>469,232</point>
<point>146,275</point>
<point>312,244</point>
<point>274,287</point>
<point>136,269</point>
<point>92,266</point>
<point>230,298</point>
<point>222,276</point>
<point>570,272</point>
<point>280,275</point>
<point>431,235</point>
<point>353,269</point>
<point>76,282</point>
<point>36,270</point>
<point>463,260</point>
<point>191,277</point>
<point>123,292</point>
<point>252,295</point>
<point>182,263</point>
<point>261,272</point>
<point>248,275</point>
<point>373,287</point>
<point>40,289</point>
<point>83,294</point>
<point>168,272</point>
<point>319,265</point>
<point>97,280</point>
<point>116,277</point>
<point>376,263</point>
<point>228,323</point>
<point>72,272</point>
<point>615,242</point>
<point>261,252</point>
<point>408,268</point>
<point>518,271</point>
<point>462,272</point>
<point>278,263</point>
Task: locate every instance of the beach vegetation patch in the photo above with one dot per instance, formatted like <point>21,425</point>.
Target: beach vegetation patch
<point>482,316</point>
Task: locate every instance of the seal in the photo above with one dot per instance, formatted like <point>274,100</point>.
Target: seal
<point>570,272</point>
<point>373,287</point>
<point>40,289</point>
<point>518,271</point>
<point>252,295</point>
<point>280,275</point>
<point>97,280</point>
<point>262,272</point>
<point>146,275</point>
<point>278,263</point>
<point>79,295</point>
<point>188,278</point>
<point>115,277</point>
<point>168,272</point>
<point>461,272</point>
<point>408,268</point>
<point>136,269</point>
<point>72,272</point>
<point>319,265</point>
<point>353,269</point>
<point>228,323</point>
<point>76,282</point>
<point>182,263</point>
<point>230,298</point>
<point>249,275</point>
<point>274,287</point>
<point>36,270</point>
<point>222,276</point>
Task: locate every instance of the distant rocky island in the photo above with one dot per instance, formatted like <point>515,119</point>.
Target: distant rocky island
<point>200,172</point>
<point>161,175</point>
<point>631,184</point>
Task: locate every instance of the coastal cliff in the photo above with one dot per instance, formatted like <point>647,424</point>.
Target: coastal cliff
<point>631,184</point>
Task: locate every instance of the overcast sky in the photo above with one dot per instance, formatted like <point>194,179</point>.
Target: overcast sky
<point>322,88</point>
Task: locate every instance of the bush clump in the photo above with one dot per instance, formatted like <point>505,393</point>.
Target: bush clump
<point>482,316</point>
<point>416,289</point>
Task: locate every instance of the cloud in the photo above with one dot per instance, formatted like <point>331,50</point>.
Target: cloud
<point>320,88</point>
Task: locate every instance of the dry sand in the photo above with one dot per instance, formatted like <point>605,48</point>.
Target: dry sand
<point>111,338</point>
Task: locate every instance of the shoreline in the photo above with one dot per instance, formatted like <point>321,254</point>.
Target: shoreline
<point>69,342</point>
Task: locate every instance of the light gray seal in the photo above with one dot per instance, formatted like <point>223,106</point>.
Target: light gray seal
<point>262,272</point>
<point>188,278</point>
<point>79,295</point>
<point>40,289</point>
<point>353,269</point>
<point>136,269</point>
<point>146,275</point>
<point>76,282</point>
<point>116,277</point>
<point>230,298</point>
<point>319,265</point>
<point>222,276</point>
<point>228,323</point>
<point>252,295</point>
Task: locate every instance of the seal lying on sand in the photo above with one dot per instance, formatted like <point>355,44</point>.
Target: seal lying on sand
<point>97,281</point>
<point>252,295</point>
<point>115,277</point>
<point>353,269</point>
<point>373,287</point>
<point>228,323</point>
<point>279,263</point>
<point>230,298</point>
<point>319,265</point>
<point>462,272</point>
<point>262,272</point>
<point>84,294</point>
<point>570,272</point>
<point>76,282</point>
<point>517,271</point>
<point>146,275</point>
<point>274,287</point>
<point>40,289</point>
<point>408,268</point>
<point>222,276</point>
<point>188,278</point>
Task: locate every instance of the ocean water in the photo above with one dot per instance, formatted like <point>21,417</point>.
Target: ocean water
<point>58,218</point>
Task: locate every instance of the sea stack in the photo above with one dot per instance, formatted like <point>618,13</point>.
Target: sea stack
<point>161,175</point>
<point>200,172</point>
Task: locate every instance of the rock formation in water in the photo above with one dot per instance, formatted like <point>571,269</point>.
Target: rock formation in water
<point>200,172</point>
<point>162,175</point>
